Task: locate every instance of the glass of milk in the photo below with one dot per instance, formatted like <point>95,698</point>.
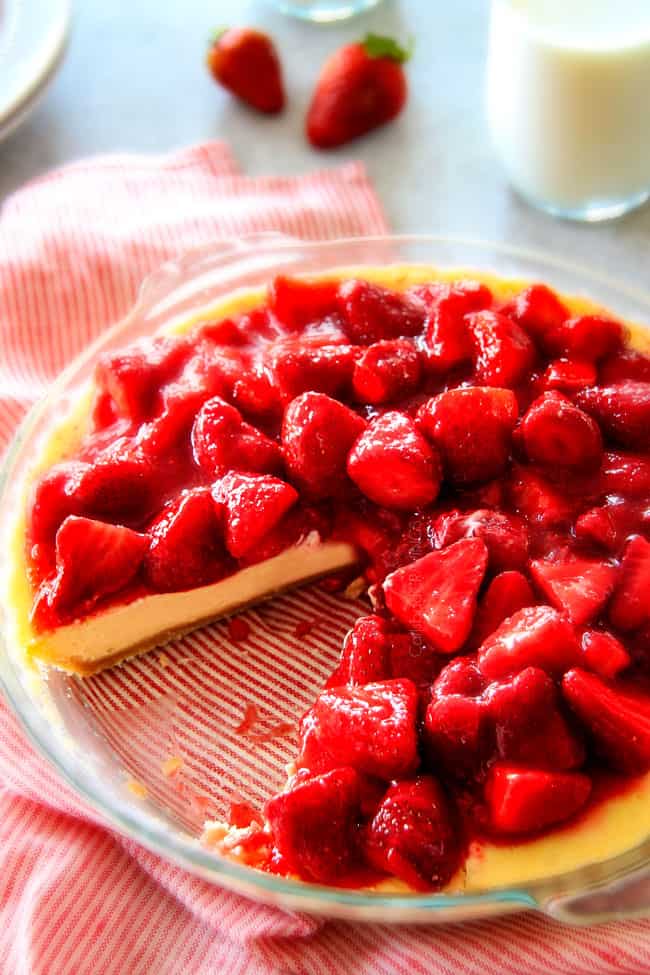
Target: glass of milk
<point>568,101</point>
<point>325,11</point>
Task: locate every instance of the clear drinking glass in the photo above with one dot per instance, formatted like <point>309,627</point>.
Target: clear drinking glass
<point>324,11</point>
<point>567,96</point>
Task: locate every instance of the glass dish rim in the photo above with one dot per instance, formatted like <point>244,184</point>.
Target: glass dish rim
<point>128,819</point>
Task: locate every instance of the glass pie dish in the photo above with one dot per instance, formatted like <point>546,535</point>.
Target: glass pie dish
<point>158,745</point>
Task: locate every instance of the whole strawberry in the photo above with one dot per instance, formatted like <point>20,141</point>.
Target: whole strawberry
<point>361,87</point>
<point>245,61</point>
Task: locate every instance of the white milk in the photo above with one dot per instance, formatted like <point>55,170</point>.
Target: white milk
<point>569,102</point>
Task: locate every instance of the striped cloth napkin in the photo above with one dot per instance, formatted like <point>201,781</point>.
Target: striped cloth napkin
<point>75,897</point>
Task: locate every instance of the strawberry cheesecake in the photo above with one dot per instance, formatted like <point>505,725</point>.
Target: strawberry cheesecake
<point>477,451</point>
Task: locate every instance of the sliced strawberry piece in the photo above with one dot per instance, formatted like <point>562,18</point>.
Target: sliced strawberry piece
<point>460,676</point>
<point>629,608</point>
<point>625,474</point>
<point>555,433</point>
<point>365,654</point>
<point>297,302</point>
<point>413,836</point>
<point>372,313</point>
<point>457,735</point>
<point>313,824</point>
<point>587,337</point>
<point>597,526</point>
<point>437,594</point>
<point>529,727</point>
<point>603,654</point>
<point>537,500</point>
<point>52,499</point>
<point>318,368</point>
<point>93,559</point>
<point>616,715</point>
<point>503,354</point>
<point>367,531</point>
<point>410,655</point>
<point>507,594</point>
<point>524,800</point>
<point>578,587</point>
<point>370,728</point>
<point>539,310</point>
<point>186,549</point>
<point>394,465</point>
<point>133,376</point>
<point>472,429</point>
<point>222,441</point>
<point>386,371</point>
<point>465,296</point>
<point>447,340</point>
<point>622,410</point>
<point>568,375</point>
<point>252,506</point>
<point>120,484</point>
<point>535,637</point>
<point>505,535</point>
<point>626,364</point>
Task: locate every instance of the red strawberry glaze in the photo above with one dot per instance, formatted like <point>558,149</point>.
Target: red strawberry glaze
<point>490,462</point>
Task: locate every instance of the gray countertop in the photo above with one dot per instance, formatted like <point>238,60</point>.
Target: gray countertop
<point>133,79</point>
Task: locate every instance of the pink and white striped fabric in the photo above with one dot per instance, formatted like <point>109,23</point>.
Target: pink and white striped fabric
<point>76,898</point>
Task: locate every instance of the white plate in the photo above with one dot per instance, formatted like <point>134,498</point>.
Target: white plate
<point>33,35</point>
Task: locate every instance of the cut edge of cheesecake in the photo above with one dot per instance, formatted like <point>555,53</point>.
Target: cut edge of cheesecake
<point>89,645</point>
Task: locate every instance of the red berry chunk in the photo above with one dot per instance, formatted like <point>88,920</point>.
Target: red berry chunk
<point>622,410</point>
<point>503,353</point>
<point>317,434</point>
<point>472,430</point>
<point>522,800</point>
<point>370,728</point>
<point>447,339</point>
<point>410,655</point>
<point>465,296</point>
<point>529,727</point>
<point>93,559</point>
<point>603,654</point>
<point>319,368</point>
<point>437,594</point>
<point>625,474</point>
<point>186,549</point>
<point>313,824</point>
<point>616,716</point>
<point>507,594</point>
<point>252,506</point>
<point>578,587</point>
<point>568,375</point>
<point>412,835</point>
<point>539,311</point>
<point>505,535</point>
<point>371,313</point>
<point>364,657</point>
<point>456,734</point>
<point>53,499</point>
<point>222,441</point>
<point>555,433</point>
<point>386,371</point>
<point>538,501</point>
<point>394,465</point>
<point>133,377</point>
<point>297,303</point>
<point>626,364</point>
<point>629,608</point>
<point>587,337</point>
<point>460,676</point>
<point>534,637</point>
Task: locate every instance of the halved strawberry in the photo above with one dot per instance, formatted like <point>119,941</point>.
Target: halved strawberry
<point>447,342</point>
<point>625,474</point>
<point>460,676</point>
<point>52,499</point>
<point>522,800</point>
<point>537,500</point>
<point>578,587</point>
<point>457,735</point>
<point>472,428</point>
<point>626,364</point>
<point>386,371</point>
<point>413,836</point>
<point>370,728</point>
<point>222,441</point>
<point>568,375</point>
<point>587,337</point>
<point>535,637</point>
<point>313,824</point>
<point>506,595</point>
<point>436,595</point>
<point>252,505</point>
<point>622,410</point>
<point>394,465</point>
<point>255,394</point>
<point>186,549</point>
<point>629,608</point>
<point>297,302</point>
<point>371,313</point>
<point>93,559</point>
<point>318,368</point>
<point>603,654</point>
<point>317,434</point>
<point>616,715</point>
<point>528,724</point>
<point>133,376</point>
<point>364,657</point>
<point>503,354</point>
<point>505,535</point>
<point>555,433</point>
<point>539,310</point>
